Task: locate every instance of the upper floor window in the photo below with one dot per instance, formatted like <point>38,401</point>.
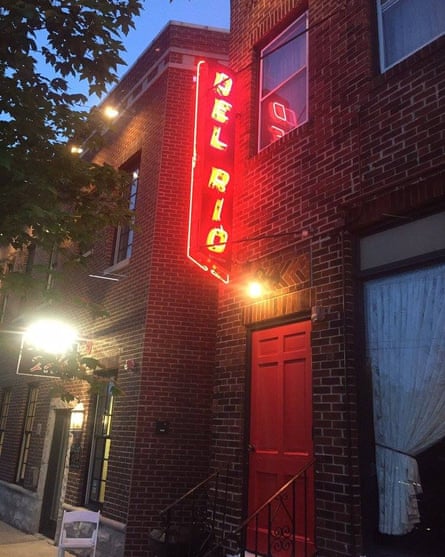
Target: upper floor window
<point>406,26</point>
<point>284,83</point>
<point>123,242</point>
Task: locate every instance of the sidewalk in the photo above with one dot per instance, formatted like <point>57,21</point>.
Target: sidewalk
<point>14,543</point>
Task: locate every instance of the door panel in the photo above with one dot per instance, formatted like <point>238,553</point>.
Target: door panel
<point>54,476</point>
<point>281,433</point>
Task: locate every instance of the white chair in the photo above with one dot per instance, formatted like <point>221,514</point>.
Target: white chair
<point>79,530</point>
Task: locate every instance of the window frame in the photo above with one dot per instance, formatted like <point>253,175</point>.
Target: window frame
<point>28,423</point>
<point>100,448</point>
<point>380,8</point>
<point>124,234</point>
<point>4,412</point>
<point>304,17</point>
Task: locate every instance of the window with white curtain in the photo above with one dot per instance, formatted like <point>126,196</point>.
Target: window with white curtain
<point>406,26</point>
<point>283,83</point>
<point>405,344</point>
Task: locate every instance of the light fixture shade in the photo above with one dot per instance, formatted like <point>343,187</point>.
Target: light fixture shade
<point>111,112</point>
<point>51,336</point>
<point>77,415</point>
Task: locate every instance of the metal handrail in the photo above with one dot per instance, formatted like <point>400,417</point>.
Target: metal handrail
<point>189,493</point>
<point>234,534</point>
<point>273,497</point>
<point>188,523</point>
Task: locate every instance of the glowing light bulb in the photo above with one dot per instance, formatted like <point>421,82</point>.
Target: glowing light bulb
<point>110,112</point>
<point>255,289</point>
<point>51,336</point>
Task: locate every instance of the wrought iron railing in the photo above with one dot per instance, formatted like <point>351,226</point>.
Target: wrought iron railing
<point>187,526</point>
<point>281,527</point>
<point>194,524</point>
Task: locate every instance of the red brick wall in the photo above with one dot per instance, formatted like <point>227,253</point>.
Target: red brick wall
<point>370,140</point>
<point>162,313</point>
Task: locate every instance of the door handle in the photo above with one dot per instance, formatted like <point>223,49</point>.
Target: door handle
<point>251,448</point>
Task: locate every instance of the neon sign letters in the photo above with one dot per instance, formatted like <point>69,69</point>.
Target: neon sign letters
<point>211,195</point>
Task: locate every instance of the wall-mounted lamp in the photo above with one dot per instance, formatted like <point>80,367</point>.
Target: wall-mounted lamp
<point>51,336</point>
<point>262,283</point>
<point>111,112</point>
<point>77,416</point>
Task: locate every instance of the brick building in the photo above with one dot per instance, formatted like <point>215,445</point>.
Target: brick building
<point>339,204</point>
<point>130,457</point>
<point>331,197</point>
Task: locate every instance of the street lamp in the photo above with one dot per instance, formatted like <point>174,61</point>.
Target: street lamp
<point>49,348</point>
<point>51,336</point>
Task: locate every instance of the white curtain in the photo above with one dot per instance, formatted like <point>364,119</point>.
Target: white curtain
<point>405,328</point>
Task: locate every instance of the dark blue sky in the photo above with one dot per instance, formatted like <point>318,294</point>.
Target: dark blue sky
<point>154,17</point>
<point>157,13</point>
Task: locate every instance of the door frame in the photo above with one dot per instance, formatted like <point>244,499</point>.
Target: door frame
<point>250,329</point>
<point>56,463</point>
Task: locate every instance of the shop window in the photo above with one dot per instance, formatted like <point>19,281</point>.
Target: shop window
<point>30,414</point>
<point>404,311</point>
<point>406,26</point>
<point>4,411</point>
<point>405,328</point>
<point>101,447</point>
<point>124,234</point>
<point>284,83</point>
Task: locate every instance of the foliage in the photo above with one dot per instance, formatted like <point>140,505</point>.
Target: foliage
<point>49,197</point>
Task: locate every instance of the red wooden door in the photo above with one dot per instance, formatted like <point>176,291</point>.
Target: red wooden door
<point>281,438</point>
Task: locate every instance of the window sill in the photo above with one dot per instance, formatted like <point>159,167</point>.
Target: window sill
<point>117,267</point>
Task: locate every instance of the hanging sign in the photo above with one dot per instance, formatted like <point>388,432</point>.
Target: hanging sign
<point>211,192</point>
<point>39,363</point>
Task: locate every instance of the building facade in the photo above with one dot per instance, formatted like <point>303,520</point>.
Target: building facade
<point>339,200</point>
<point>154,333</point>
<point>324,184</point>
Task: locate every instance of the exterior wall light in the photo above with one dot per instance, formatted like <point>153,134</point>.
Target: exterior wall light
<point>77,415</point>
<point>111,112</point>
<point>51,336</point>
<point>255,289</point>
<point>76,150</point>
<point>262,283</point>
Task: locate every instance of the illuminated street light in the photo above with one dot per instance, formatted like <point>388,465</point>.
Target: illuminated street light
<point>51,336</point>
<point>111,112</point>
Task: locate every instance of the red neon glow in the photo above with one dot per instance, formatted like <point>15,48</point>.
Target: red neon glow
<point>210,215</point>
<point>215,140</point>
<point>219,179</point>
<point>217,210</point>
<point>286,115</point>
<point>220,110</point>
<point>281,119</point>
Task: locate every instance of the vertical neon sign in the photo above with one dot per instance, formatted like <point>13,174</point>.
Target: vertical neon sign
<point>211,192</point>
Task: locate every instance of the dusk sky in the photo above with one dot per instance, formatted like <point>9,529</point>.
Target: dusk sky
<point>157,13</point>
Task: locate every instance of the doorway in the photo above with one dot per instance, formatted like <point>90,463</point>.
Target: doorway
<point>55,473</point>
<point>281,435</point>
